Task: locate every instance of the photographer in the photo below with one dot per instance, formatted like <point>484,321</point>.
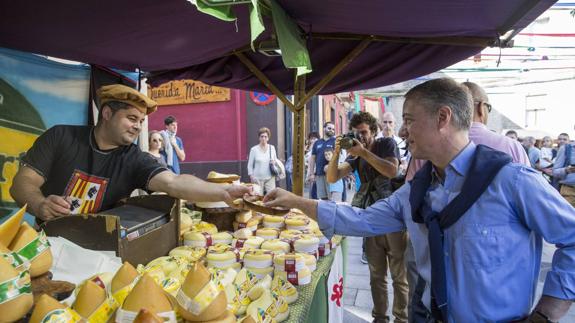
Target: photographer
<point>376,160</point>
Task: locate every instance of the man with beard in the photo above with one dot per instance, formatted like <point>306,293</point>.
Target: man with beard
<point>317,161</point>
<point>376,161</point>
<point>85,169</point>
<point>476,219</point>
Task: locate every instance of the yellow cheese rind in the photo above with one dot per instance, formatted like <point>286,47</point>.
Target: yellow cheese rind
<point>9,228</point>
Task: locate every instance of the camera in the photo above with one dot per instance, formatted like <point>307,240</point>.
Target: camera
<point>346,141</point>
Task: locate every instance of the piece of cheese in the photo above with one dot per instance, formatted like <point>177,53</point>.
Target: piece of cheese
<point>43,262</point>
<point>243,216</point>
<point>147,294</point>
<point>10,227</point>
<point>198,277</point>
<point>227,317</point>
<point>123,277</point>
<point>45,305</point>
<point>145,316</point>
<point>17,306</point>
<point>89,298</point>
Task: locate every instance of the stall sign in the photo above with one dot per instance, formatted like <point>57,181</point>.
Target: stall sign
<point>188,91</point>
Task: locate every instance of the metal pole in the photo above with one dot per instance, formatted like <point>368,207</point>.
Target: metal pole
<point>298,147</point>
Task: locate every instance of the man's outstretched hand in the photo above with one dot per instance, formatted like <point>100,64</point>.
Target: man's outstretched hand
<point>283,199</point>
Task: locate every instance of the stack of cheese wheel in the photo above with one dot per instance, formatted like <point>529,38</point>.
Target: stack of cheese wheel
<point>297,222</point>
<point>285,289</point>
<point>149,295</point>
<point>292,268</point>
<point>267,233</point>
<point>306,243</point>
<point>310,261</point>
<point>290,234</point>
<point>202,298</point>
<point>276,222</point>
<point>15,292</point>
<point>245,219</point>
<point>277,246</point>
<point>204,239</point>
<point>222,256</point>
<point>259,262</point>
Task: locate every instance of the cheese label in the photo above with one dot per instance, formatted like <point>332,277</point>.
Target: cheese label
<point>13,258</point>
<point>104,311</point>
<point>120,295</point>
<point>202,300</point>
<point>14,287</point>
<point>62,315</point>
<point>35,247</point>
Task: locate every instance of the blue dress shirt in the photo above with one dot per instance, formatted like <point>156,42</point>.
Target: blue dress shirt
<point>493,253</point>
<point>559,171</point>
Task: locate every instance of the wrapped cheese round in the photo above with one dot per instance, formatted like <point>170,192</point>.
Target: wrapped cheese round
<point>290,234</point>
<point>198,239</point>
<point>267,233</point>
<point>34,247</point>
<point>243,216</point>
<point>306,243</point>
<point>310,260</point>
<point>200,298</point>
<point>252,224</point>
<point>89,298</point>
<point>297,222</point>
<point>15,292</point>
<point>222,256</point>
<point>191,253</point>
<point>47,309</point>
<point>276,222</point>
<point>289,262</point>
<point>243,233</point>
<point>203,226</point>
<point>258,258</point>
<point>257,291</point>
<point>250,243</point>
<point>285,289</point>
<point>186,223</point>
<point>276,245</point>
<point>260,273</point>
<point>149,295</point>
<point>297,278</point>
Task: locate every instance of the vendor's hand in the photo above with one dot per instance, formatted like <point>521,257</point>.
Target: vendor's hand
<point>281,198</point>
<point>53,206</point>
<point>357,149</point>
<point>234,192</point>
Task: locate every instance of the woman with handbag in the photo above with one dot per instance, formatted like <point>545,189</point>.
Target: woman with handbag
<point>263,165</point>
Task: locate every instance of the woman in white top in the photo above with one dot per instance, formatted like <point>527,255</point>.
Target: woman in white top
<point>259,163</point>
<point>155,144</point>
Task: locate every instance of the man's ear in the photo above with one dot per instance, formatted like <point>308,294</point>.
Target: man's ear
<point>106,113</point>
<point>444,115</point>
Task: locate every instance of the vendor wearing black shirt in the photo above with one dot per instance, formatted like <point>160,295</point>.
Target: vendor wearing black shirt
<point>85,169</point>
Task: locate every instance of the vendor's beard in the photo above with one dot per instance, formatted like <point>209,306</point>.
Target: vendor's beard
<point>329,133</point>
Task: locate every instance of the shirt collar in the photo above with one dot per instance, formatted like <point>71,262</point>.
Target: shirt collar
<point>460,163</point>
<point>478,125</point>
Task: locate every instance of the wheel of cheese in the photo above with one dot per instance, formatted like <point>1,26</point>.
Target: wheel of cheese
<point>276,245</point>
<point>277,222</point>
<point>203,226</point>
<point>186,223</point>
<point>252,224</point>
<point>258,259</point>
<point>191,253</point>
<point>198,239</point>
<point>285,289</point>
<point>243,216</point>
<point>261,272</point>
<point>222,237</point>
<point>257,291</point>
<point>267,233</point>
<point>149,295</point>
<point>289,262</point>
<point>297,222</point>
<point>14,305</point>
<point>42,262</point>
<point>197,280</point>
<point>243,233</point>
<point>89,298</point>
<point>310,261</point>
<point>250,243</point>
<point>306,243</point>
<point>290,234</point>
<point>10,227</point>
<point>297,278</point>
<point>222,256</point>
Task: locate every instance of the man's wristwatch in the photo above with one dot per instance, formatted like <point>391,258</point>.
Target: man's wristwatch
<point>538,317</point>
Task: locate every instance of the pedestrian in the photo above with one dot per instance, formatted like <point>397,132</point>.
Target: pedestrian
<point>476,219</point>
<point>317,160</point>
<point>173,145</point>
<point>261,155</point>
<point>335,189</point>
<point>155,146</point>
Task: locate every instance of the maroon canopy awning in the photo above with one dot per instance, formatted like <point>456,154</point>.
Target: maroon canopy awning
<point>171,39</point>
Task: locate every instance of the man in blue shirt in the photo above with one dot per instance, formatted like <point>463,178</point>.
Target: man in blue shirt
<point>491,255</point>
<point>317,161</point>
<point>173,145</point>
<point>564,171</point>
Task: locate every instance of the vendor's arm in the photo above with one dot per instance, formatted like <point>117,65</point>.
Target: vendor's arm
<point>26,190</point>
<point>193,189</point>
<point>336,170</point>
<point>544,211</point>
<point>385,216</point>
<point>386,166</point>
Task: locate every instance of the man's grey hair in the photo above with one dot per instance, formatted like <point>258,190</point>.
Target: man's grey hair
<point>445,92</point>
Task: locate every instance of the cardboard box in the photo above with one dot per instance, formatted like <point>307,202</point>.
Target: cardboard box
<point>104,232</point>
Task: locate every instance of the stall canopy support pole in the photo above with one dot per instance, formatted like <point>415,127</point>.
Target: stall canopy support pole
<point>335,70</point>
<point>262,77</point>
<point>299,136</point>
